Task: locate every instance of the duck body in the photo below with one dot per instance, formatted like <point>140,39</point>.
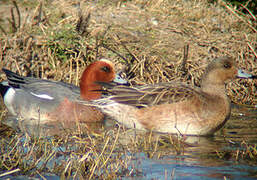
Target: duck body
<point>44,103</point>
<point>175,107</point>
<point>50,101</point>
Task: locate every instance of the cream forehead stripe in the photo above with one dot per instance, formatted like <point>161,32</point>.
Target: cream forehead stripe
<point>107,61</point>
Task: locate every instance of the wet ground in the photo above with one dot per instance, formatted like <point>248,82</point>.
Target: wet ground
<point>223,156</point>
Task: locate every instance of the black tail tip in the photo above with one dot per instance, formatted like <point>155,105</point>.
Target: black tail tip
<point>4,86</point>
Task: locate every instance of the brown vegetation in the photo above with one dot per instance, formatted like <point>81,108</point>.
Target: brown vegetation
<point>152,41</point>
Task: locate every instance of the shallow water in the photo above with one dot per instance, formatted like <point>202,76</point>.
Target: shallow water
<point>199,159</point>
<point>198,162</point>
<point>186,167</point>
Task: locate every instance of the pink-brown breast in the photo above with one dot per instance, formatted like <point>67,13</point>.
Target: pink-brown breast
<point>73,112</point>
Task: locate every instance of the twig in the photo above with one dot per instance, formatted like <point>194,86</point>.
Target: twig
<point>37,18</point>
<point>96,47</point>
<point>92,170</point>
<point>250,46</point>
<point>233,12</point>
<point>130,53</point>
<point>18,12</point>
<point>118,54</point>
<point>184,61</point>
<point>41,175</point>
<point>83,23</point>
<point>10,172</point>
<point>252,15</point>
<point>13,23</point>
<point>112,148</point>
<point>2,29</point>
<point>101,42</point>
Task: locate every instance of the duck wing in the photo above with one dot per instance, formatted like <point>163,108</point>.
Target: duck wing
<point>42,86</point>
<point>149,95</point>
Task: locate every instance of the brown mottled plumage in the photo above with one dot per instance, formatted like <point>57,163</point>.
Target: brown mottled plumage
<point>175,107</point>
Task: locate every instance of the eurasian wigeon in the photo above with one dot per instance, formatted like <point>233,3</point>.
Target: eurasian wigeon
<point>50,101</point>
<point>175,107</point>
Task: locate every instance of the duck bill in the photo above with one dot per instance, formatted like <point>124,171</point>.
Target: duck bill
<point>244,75</point>
<point>119,80</point>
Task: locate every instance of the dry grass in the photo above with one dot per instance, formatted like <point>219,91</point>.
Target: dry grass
<point>153,41</point>
<point>246,152</point>
<point>89,156</point>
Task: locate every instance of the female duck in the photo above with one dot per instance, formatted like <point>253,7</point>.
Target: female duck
<point>175,107</point>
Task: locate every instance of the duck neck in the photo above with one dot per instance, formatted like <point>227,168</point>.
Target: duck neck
<point>212,84</point>
<point>213,87</point>
<point>90,91</point>
<point>218,94</point>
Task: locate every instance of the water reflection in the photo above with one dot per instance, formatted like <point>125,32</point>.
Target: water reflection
<point>196,162</point>
<point>49,129</point>
<point>191,168</point>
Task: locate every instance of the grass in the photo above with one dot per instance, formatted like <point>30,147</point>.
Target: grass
<point>152,41</point>
<point>246,152</point>
<point>105,155</point>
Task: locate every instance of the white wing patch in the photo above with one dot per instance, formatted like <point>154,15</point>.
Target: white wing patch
<point>43,96</point>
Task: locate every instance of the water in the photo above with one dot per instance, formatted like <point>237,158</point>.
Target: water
<point>192,168</point>
<point>220,157</point>
<point>198,162</point>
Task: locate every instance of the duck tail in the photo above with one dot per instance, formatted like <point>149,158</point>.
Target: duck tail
<point>4,86</point>
<point>14,79</point>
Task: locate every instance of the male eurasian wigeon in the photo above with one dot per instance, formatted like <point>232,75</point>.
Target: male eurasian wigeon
<point>51,101</point>
<point>175,107</point>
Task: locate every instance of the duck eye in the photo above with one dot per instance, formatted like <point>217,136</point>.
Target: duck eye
<point>227,65</point>
<point>106,69</point>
